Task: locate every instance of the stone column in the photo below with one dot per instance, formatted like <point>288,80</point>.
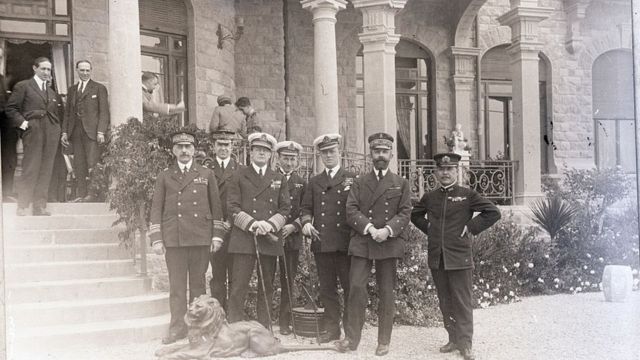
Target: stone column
<point>325,63</point>
<point>379,41</point>
<point>463,80</point>
<point>125,94</point>
<point>523,18</point>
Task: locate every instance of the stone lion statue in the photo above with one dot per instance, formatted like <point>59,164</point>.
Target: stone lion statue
<point>210,336</point>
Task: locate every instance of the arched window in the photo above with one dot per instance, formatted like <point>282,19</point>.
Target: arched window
<point>612,89</point>
<point>163,38</point>
<point>415,136</point>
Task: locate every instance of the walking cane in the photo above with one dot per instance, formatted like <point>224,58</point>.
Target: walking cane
<point>315,313</point>
<point>264,289</point>
<point>286,275</point>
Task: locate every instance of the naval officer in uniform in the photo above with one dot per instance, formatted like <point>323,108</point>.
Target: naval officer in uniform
<point>186,224</point>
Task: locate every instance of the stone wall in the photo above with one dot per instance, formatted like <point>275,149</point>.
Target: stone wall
<point>259,62</point>
<point>214,68</point>
<point>91,37</point>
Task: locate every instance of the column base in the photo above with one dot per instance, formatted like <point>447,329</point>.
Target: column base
<point>528,198</point>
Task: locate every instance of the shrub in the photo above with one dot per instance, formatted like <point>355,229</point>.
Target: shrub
<point>552,214</point>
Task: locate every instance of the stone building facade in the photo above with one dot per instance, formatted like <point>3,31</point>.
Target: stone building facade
<point>541,82</point>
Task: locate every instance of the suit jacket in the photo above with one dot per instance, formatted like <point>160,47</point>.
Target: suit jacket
<point>382,203</point>
<point>150,107</point>
<point>448,211</point>
<point>296,186</point>
<point>251,198</point>
<point>89,110</point>
<point>186,209</point>
<point>223,177</point>
<point>228,118</point>
<point>324,203</point>
<point>28,102</point>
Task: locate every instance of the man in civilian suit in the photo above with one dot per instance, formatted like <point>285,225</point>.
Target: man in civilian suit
<point>186,225</point>
<point>36,110</point>
<point>258,203</point>
<point>151,108</point>
<point>85,124</point>
<point>378,211</point>
<point>224,167</point>
<point>288,161</point>
<point>324,219</point>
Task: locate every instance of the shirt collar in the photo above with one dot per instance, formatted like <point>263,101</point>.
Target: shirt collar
<point>225,161</point>
<point>38,81</point>
<point>384,172</point>
<point>82,83</point>
<point>334,170</point>
<point>258,168</point>
<point>187,165</point>
<point>448,187</point>
<point>144,87</point>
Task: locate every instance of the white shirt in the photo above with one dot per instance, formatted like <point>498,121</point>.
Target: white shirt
<point>225,162</point>
<point>185,167</point>
<point>334,171</point>
<point>39,82</point>
<point>384,172</point>
<point>258,168</point>
<point>82,85</point>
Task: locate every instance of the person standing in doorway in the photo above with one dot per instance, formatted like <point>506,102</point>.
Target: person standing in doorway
<point>151,108</point>
<point>37,111</point>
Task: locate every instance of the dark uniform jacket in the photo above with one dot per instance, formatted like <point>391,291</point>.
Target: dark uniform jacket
<point>89,110</point>
<point>28,102</point>
<point>447,212</point>
<point>186,209</point>
<point>324,203</point>
<point>223,177</point>
<point>296,186</point>
<point>382,203</point>
<point>252,198</point>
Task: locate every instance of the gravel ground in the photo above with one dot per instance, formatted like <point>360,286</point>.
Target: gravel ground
<point>581,326</point>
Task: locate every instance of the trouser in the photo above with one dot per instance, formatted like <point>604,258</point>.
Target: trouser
<point>85,156</point>
<point>9,138</point>
<point>221,263</point>
<point>333,267</point>
<point>40,144</point>
<point>58,183</point>
<point>241,271</point>
<point>455,295</point>
<point>291,256</point>
<point>386,281</point>
<point>188,263</point>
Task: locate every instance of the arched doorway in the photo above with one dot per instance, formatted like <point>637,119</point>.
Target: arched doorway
<point>613,114</point>
<point>414,99</point>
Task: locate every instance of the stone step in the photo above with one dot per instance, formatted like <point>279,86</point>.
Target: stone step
<point>106,333</point>
<point>87,311</point>
<point>61,236</point>
<point>77,289</point>
<point>68,270</point>
<point>59,222</point>
<point>65,252</point>
<point>67,208</point>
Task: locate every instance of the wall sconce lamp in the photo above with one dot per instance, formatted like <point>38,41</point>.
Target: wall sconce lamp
<point>226,34</point>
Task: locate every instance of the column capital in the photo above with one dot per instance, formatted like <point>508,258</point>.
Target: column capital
<point>315,5</point>
<point>391,4</point>
<point>523,21</point>
<point>463,61</point>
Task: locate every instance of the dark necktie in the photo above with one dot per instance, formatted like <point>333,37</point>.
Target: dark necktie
<point>222,165</point>
<point>380,175</point>
<point>260,172</point>
<point>329,172</point>
<point>82,86</point>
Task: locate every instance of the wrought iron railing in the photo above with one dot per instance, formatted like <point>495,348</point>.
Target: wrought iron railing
<point>493,179</point>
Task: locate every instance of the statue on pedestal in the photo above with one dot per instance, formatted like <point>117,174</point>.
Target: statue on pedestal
<point>456,142</point>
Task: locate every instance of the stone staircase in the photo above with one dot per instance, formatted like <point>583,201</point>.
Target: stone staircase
<point>69,282</point>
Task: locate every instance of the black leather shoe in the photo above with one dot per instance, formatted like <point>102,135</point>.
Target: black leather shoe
<point>285,330</point>
<point>345,345</point>
<point>382,350</point>
<point>328,337</point>
<point>467,353</point>
<point>171,338</point>
<point>41,212</point>
<point>21,211</point>
<point>449,347</point>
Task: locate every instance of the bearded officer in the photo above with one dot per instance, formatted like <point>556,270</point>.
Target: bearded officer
<point>258,204</point>
<point>186,224</point>
<point>324,219</point>
<point>224,166</point>
<point>378,210</point>
<point>288,162</point>
<point>446,216</point>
